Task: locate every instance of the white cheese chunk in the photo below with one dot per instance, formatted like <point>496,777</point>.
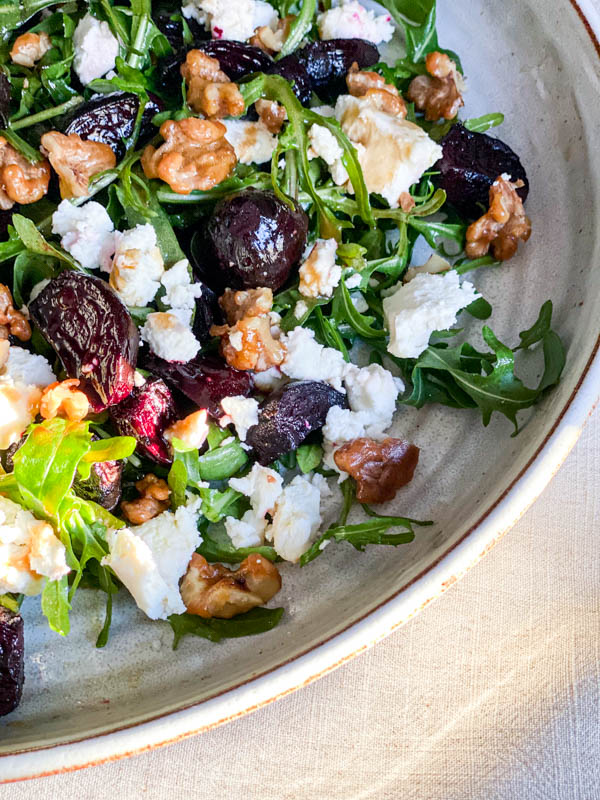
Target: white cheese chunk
<point>307,360</point>
<point>28,368</point>
<point>241,412</point>
<point>137,266</point>
<point>372,391</point>
<point>96,49</point>
<point>180,291</point>
<point>252,142</point>
<point>191,430</point>
<point>227,20</point>
<point>249,531</point>
<point>426,304</point>
<point>22,378</point>
<point>87,233</point>
<point>151,558</point>
<point>319,274</point>
<point>433,265</point>
<point>351,20</point>
<point>269,380</point>
<point>262,486</point>
<point>168,337</point>
<point>296,520</point>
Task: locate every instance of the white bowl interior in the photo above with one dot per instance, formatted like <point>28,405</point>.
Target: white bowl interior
<point>534,61</point>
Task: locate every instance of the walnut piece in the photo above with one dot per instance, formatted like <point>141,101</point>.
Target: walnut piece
<point>64,399</point>
<point>247,342</point>
<point>29,48</point>
<point>76,161</point>
<point>269,40</point>
<point>195,155</point>
<point>503,226</point>
<point>20,180</point>
<point>271,114</point>
<point>438,94</point>
<point>12,322</point>
<point>212,590</point>
<point>379,468</point>
<point>209,90</point>
<point>384,96</point>
<point>153,500</point>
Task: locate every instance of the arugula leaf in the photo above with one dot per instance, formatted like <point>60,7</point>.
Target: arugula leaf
<point>56,606</point>
<point>216,504</point>
<point>11,601</point>
<point>418,18</point>
<point>309,456</point>
<point>217,546</point>
<point>35,242</point>
<point>30,268</point>
<point>299,27</point>
<point>257,620</point>
<point>222,462</point>
<point>483,124</point>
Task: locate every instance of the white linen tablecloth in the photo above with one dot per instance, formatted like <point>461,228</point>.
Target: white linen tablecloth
<point>491,693</point>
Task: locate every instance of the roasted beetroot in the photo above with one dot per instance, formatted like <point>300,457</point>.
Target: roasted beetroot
<point>327,63</point>
<point>111,118</point>
<point>254,239</point>
<point>470,164</point>
<point>92,333</point>
<point>104,484</point>
<point>5,221</point>
<point>293,70</point>
<point>236,59</point>
<point>287,417</point>
<point>145,414</point>
<point>12,661</point>
<point>204,381</point>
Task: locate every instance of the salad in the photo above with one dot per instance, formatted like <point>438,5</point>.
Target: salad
<point>211,305</point>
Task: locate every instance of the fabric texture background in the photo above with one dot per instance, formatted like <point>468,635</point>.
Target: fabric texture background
<point>491,693</point>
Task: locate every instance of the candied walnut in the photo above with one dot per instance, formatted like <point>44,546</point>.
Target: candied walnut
<point>271,114</point>
<point>153,500</point>
<point>212,590</point>
<point>76,161</point>
<point>271,41</point>
<point>20,180</point>
<point>248,303</point>
<point>249,344</point>
<point>379,468</point>
<point>64,399</point>
<point>503,226</point>
<point>195,155</point>
<point>209,90</point>
<point>406,202</point>
<point>29,48</point>
<point>12,322</point>
<point>438,94</point>
<point>384,96</point>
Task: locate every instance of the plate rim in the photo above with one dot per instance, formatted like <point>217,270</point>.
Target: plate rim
<point>360,635</point>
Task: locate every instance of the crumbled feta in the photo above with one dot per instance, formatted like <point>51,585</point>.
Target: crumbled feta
<point>87,233</point>
<point>372,391</point>
<point>29,551</point>
<point>252,142</point>
<point>322,484</point>
<point>137,266</point>
<point>249,531</point>
<point>319,274</point>
<point>300,309</point>
<point>180,291</point>
<point>324,145</point>
<point>307,360</point>
<point>168,337</point>
<point>359,302</point>
<point>350,20</point>
<point>324,111</point>
<point>354,281</point>
<point>426,304</point>
<point>151,558</point>
<point>96,49</point>
<point>228,20</point>
<point>392,152</point>
<point>296,520</point>
<point>434,265</point>
<point>240,411</point>
<point>191,430</point>
<point>269,380</point>
<point>23,376</point>
<point>343,425</point>
<point>262,486</point>
<point>27,368</point>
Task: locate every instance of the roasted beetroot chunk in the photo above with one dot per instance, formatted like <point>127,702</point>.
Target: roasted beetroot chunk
<point>12,663</point>
<point>236,59</point>
<point>289,415</point>
<point>92,333</point>
<point>203,380</point>
<point>103,486</point>
<point>294,70</point>
<point>145,414</point>
<point>327,63</point>
<point>254,239</point>
<point>470,164</point>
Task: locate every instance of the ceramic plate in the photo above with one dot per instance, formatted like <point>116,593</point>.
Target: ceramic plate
<point>536,61</point>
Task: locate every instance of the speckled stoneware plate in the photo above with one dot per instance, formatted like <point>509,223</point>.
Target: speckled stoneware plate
<point>538,62</point>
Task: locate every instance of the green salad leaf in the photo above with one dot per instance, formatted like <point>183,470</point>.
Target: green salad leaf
<point>217,546</point>
<point>257,620</point>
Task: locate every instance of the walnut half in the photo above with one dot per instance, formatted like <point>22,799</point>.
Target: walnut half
<point>64,399</point>
<point>12,322</point>
<point>209,90</point>
<point>76,160</point>
<point>21,181</point>
<point>384,96</point>
<point>212,590</point>
<point>438,94</point>
<point>503,226</point>
<point>379,468</point>
<point>153,500</point>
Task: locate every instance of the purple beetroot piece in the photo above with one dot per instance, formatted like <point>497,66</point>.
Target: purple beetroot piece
<point>470,164</point>
<point>327,63</point>
<point>204,380</point>
<point>145,414</point>
<point>12,667</point>
<point>92,333</point>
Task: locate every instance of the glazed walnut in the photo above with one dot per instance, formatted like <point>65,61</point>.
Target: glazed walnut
<point>21,181</point>
<point>379,468</point>
<point>438,94</point>
<point>29,48</point>
<point>209,90</point>
<point>64,399</point>
<point>76,161</point>
<point>248,303</point>
<point>271,114</point>
<point>195,155</point>
<point>269,40</point>
<point>373,87</point>
<point>153,500</point>
<point>503,226</point>
<point>12,322</point>
<point>212,590</point>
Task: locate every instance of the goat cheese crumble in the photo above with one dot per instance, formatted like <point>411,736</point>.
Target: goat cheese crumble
<point>87,233</point>
<point>180,291</point>
<point>22,378</point>
<point>96,49</point>
<point>169,336</point>
<point>319,274</point>
<point>307,360</point>
<point>227,20</point>
<point>252,142</point>
<point>296,520</point>
<point>137,266</point>
<point>241,412</point>
<point>351,20</point>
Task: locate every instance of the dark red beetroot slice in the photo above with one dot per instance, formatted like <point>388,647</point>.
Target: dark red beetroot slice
<point>92,333</point>
<point>470,164</point>
<point>327,63</point>
<point>145,414</point>
<point>12,668</point>
<point>204,380</point>
<point>289,415</point>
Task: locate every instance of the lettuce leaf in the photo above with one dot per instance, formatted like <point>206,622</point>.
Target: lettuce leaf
<point>257,620</point>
